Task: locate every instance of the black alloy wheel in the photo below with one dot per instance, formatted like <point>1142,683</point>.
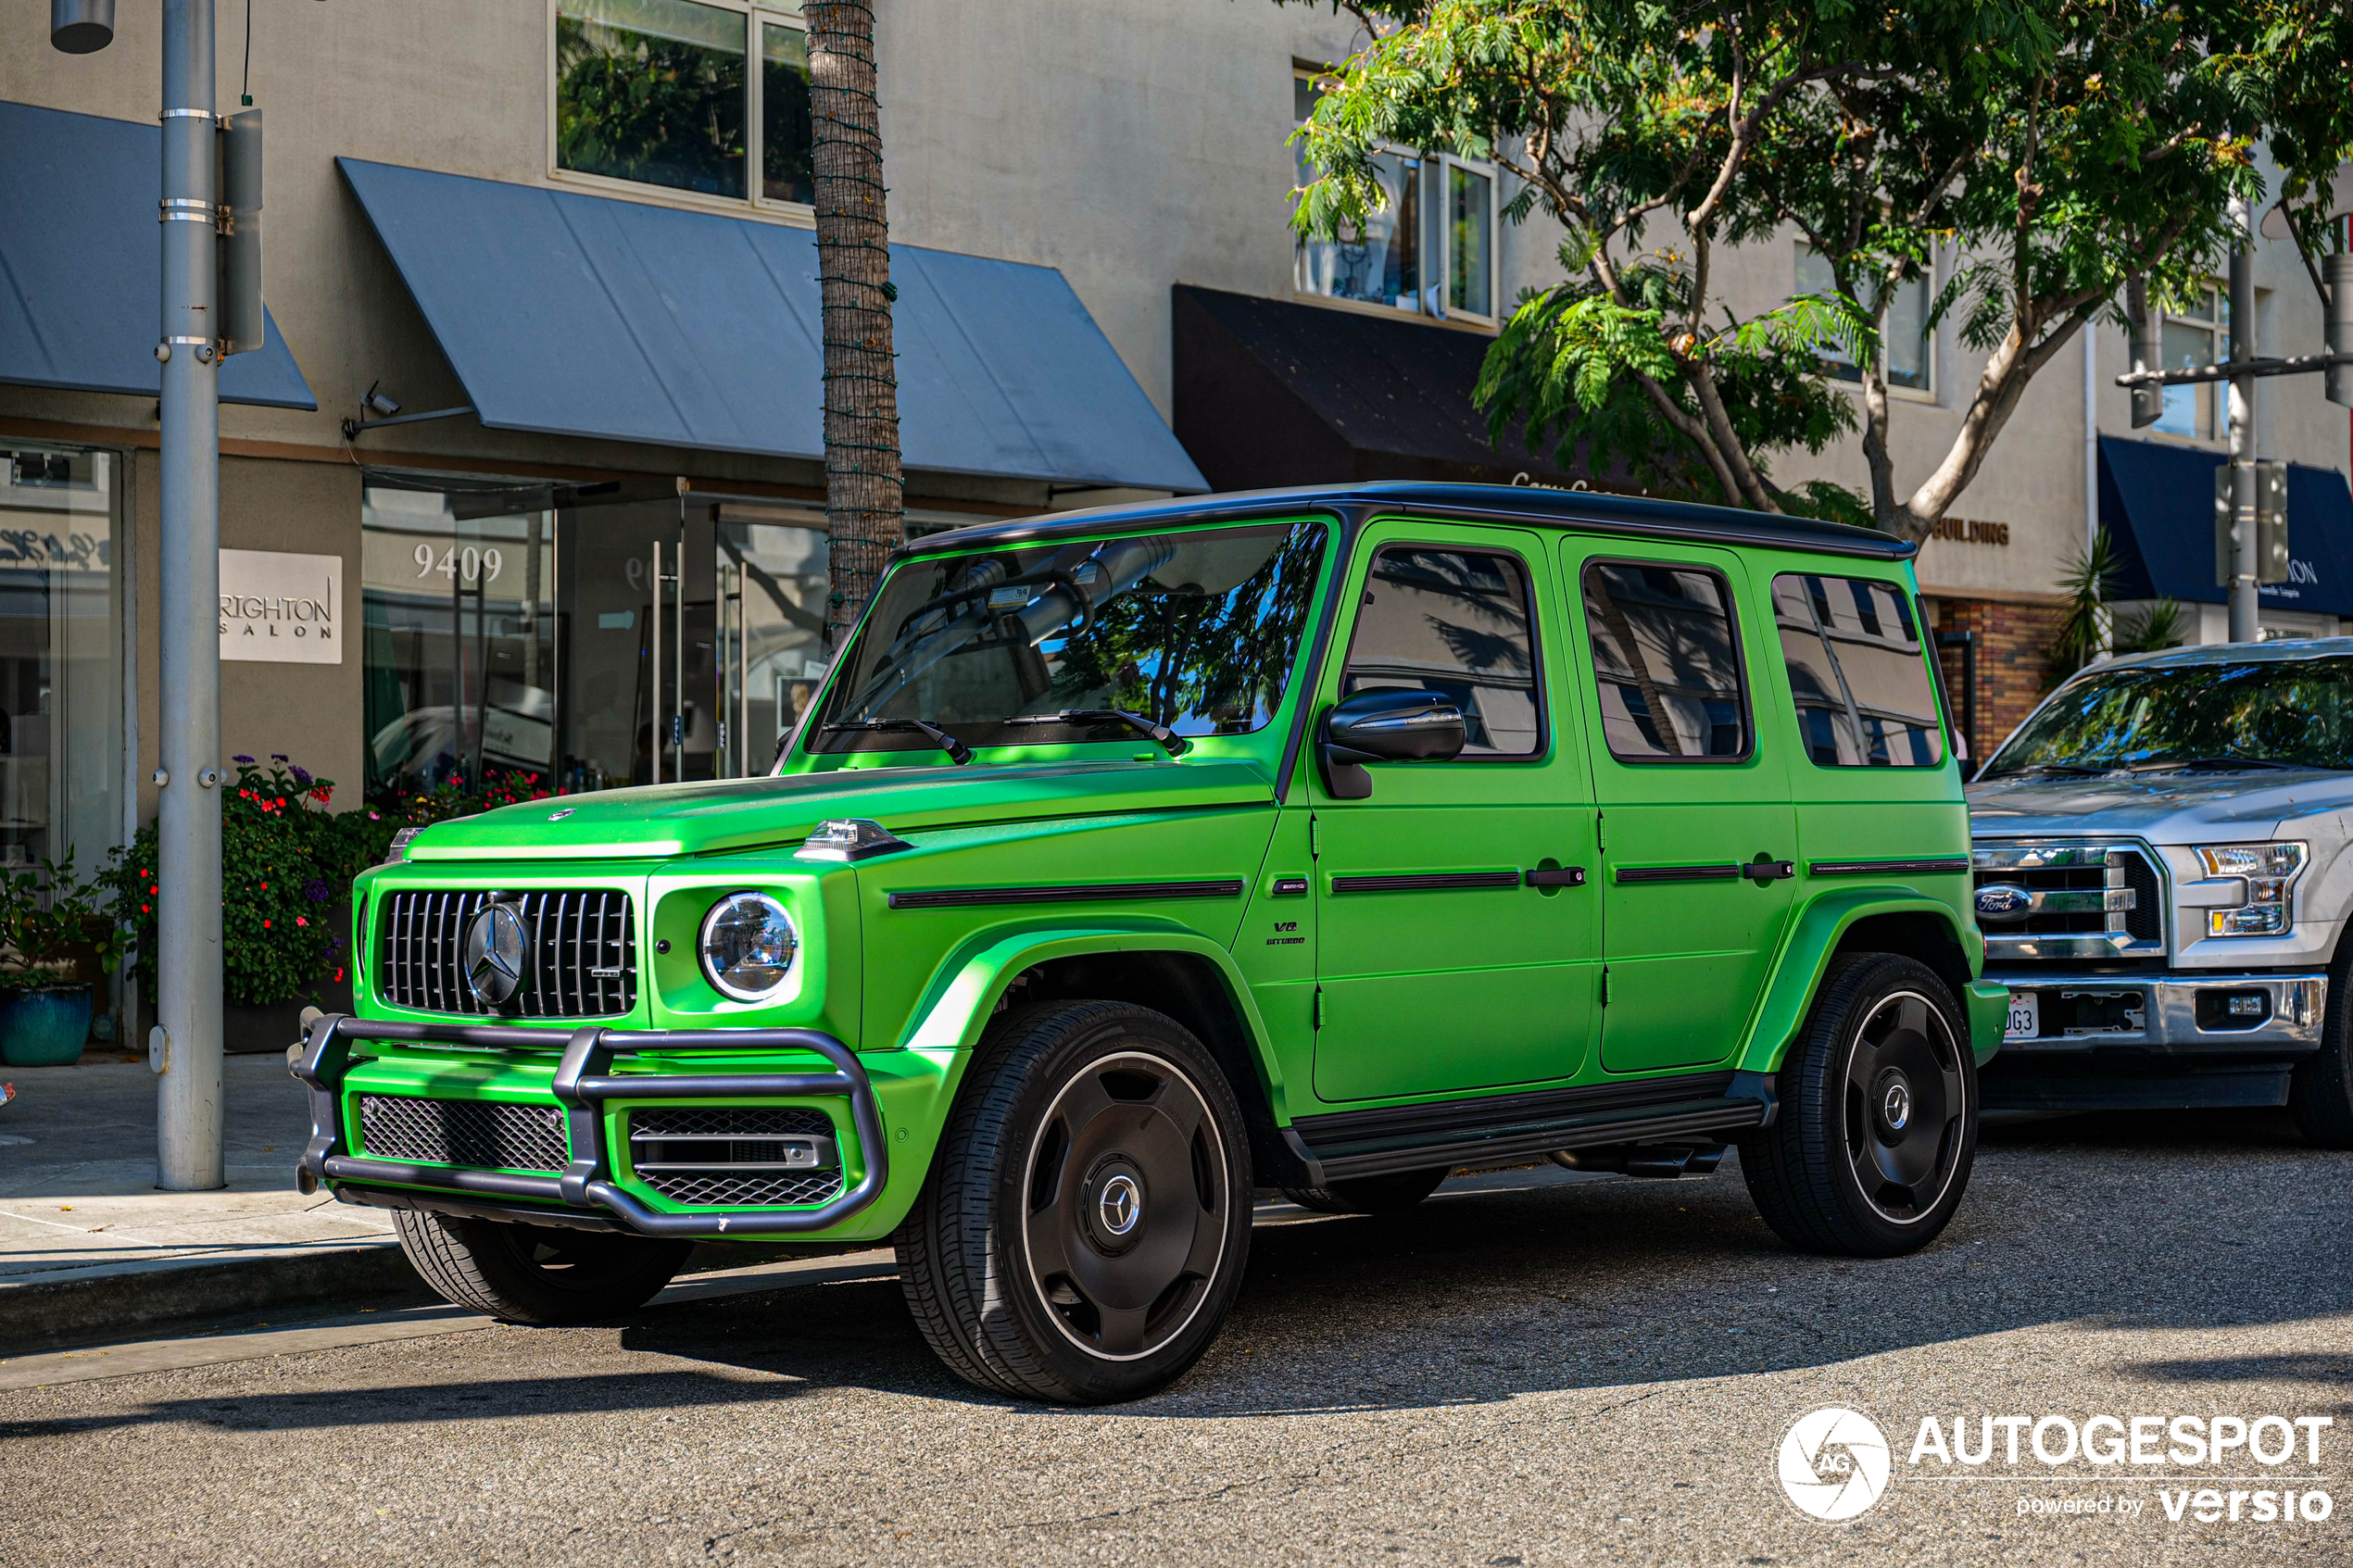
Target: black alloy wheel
<point>1083,1230</point>
<point>1877,1130</point>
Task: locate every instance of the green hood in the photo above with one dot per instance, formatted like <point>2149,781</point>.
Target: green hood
<point>702,819</point>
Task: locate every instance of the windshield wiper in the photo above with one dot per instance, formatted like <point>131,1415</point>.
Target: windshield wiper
<point>1174,744</point>
<point>958,752</point>
<point>2224,762</point>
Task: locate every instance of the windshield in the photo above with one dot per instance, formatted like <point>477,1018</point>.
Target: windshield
<point>2292,712</point>
<point>1196,632</point>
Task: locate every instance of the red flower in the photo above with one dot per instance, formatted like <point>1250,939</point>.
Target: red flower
<point>265,925</point>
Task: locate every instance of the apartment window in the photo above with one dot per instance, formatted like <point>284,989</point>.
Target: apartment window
<point>662,93</point>
<point>1402,257</point>
<point>1911,357</point>
<point>2186,342</point>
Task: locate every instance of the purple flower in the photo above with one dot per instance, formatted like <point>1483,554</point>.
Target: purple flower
<point>241,757</point>
<point>301,774</point>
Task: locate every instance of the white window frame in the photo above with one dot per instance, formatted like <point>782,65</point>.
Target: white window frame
<point>1432,241</point>
<point>1446,163</point>
<point>2218,394</point>
<point>799,214</point>
<point>1931,341</point>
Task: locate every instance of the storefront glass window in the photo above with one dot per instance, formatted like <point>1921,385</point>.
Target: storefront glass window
<point>512,633</point>
<point>60,666</point>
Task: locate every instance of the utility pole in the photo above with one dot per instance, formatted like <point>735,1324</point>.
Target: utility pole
<point>2243,626</point>
<point>184,1047</point>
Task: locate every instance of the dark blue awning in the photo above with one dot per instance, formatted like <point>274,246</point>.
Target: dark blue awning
<point>579,315</point>
<point>2158,502</point>
<point>82,265</point>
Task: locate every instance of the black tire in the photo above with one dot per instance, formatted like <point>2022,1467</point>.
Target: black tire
<point>537,1274</point>
<point>2320,1092</point>
<point>1370,1195</point>
<point>1878,1126</point>
<point>1082,1232</point>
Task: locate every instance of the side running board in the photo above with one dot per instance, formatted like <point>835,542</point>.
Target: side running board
<point>1699,1107</point>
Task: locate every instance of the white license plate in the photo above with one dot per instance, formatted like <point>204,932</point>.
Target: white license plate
<point>2026,1016</point>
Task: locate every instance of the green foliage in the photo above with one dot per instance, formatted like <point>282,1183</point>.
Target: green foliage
<point>48,918</point>
<point>287,864</point>
<point>2052,148</point>
<point>2083,628</point>
<point>2150,628</point>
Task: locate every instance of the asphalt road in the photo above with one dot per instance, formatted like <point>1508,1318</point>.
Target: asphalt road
<point>1541,1372</point>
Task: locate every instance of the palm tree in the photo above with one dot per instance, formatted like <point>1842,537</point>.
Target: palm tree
<point>865,493</point>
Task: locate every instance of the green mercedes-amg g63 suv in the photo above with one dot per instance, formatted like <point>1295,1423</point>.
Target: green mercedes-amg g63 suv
<point>1130,862</point>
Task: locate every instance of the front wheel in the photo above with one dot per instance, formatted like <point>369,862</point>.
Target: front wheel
<point>537,1274</point>
<point>1878,1125</point>
<point>1082,1234</point>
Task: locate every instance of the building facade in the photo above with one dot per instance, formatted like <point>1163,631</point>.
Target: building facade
<point>574,236</point>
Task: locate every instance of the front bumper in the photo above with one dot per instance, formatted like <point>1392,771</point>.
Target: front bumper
<point>2178,1012</point>
<point>584,1189</point>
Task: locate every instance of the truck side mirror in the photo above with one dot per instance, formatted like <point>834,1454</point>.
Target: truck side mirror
<point>1385,724</point>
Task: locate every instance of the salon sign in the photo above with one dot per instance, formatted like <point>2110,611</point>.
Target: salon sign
<point>280,608</point>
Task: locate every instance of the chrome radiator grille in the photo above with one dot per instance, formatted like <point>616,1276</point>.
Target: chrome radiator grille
<point>723,1156</point>
<point>2069,902</point>
<point>454,1132</point>
<point>580,953</point>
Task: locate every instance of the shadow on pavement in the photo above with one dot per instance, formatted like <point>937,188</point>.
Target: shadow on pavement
<point>1484,1296</point>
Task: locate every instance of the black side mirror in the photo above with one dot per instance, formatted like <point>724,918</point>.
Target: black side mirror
<point>1385,724</point>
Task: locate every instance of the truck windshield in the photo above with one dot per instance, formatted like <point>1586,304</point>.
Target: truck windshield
<point>2296,713</point>
<point>1196,632</point>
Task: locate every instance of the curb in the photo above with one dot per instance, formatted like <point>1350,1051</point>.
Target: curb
<point>44,1314</point>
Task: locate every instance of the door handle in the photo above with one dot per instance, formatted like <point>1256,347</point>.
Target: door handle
<point>1765,869</point>
<point>1553,876</point>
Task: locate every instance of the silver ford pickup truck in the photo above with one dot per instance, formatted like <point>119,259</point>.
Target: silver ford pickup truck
<point>2163,880</point>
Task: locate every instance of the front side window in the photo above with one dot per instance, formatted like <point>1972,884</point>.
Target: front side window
<point>1456,622</point>
<point>1904,333</point>
<point>1857,671</point>
<point>660,92</point>
<point>1198,631</point>
<point>1666,658</point>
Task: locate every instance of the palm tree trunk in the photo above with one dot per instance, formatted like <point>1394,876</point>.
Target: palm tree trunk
<point>866,494</point>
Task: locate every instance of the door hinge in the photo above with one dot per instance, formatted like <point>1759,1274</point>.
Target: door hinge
<point>1314,839</point>
<point>1604,985</point>
<point>1319,1006</point>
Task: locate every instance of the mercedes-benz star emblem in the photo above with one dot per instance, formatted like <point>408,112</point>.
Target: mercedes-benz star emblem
<point>1121,1205</point>
<point>494,954</point>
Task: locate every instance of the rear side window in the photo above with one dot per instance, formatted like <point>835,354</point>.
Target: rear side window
<point>1456,621</point>
<point>1858,669</point>
<point>1667,655</point>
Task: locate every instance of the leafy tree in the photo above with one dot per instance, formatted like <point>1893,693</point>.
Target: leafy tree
<point>2056,148</point>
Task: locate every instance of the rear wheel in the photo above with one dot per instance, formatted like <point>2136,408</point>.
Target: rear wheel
<point>1082,1234</point>
<point>1878,1125</point>
<point>537,1274</point>
<point>1370,1195</point>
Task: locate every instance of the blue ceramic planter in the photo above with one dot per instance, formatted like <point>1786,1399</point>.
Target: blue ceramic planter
<point>44,1026</point>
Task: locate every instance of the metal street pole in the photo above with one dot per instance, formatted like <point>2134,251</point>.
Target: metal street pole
<point>2244,628</point>
<point>187,1054</point>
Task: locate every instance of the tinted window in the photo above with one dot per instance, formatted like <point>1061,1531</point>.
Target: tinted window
<point>1857,670</point>
<point>1458,622</point>
<point>1668,660</point>
<point>2217,713</point>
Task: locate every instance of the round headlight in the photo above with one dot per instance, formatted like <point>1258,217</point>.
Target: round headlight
<point>747,946</point>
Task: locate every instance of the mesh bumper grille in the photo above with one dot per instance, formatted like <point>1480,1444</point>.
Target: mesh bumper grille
<point>472,1133</point>
<point>580,953</point>
<point>736,1156</point>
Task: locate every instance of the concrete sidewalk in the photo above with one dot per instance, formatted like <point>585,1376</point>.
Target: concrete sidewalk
<point>89,1247</point>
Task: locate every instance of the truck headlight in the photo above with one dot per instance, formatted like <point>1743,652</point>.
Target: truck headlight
<point>747,946</point>
<point>2269,872</point>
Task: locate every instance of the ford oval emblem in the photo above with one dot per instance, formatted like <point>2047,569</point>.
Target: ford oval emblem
<point>2003,902</point>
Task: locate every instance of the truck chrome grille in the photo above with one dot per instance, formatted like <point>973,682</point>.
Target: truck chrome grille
<point>580,953</point>
<point>2040,901</point>
<point>727,1156</point>
<point>456,1131</point>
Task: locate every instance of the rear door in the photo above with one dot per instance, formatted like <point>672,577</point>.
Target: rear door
<point>1698,835</point>
<point>1441,967</point>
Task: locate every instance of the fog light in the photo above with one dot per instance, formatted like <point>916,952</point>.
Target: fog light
<point>2245,1004</point>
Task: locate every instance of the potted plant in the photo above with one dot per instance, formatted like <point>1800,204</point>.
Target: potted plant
<point>54,930</point>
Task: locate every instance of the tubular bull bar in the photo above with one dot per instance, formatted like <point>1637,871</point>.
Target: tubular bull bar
<point>582,1082</point>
